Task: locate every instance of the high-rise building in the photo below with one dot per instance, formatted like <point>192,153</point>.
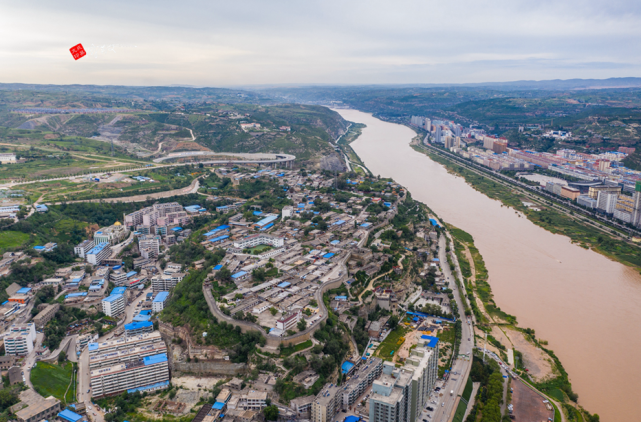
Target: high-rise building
<point>607,201</point>
<point>437,134</point>
<point>448,142</point>
<point>636,210</point>
<point>391,395</point>
<point>424,362</point>
<point>362,378</point>
<point>457,130</point>
<point>20,340</point>
<point>427,125</point>
<point>98,253</point>
<point>593,191</point>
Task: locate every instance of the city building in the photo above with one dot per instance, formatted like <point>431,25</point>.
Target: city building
<point>259,239</point>
<point>158,304</point>
<point>131,363</point>
<point>113,305</point>
<point>327,404</point>
<point>149,246</point>
<point>41,410</point>
<point>84,247</point>
<point>98,253</point>
<point>19,341</point>
<point>593,191</point>
<point>390,399</point>
<point>166,282</point>
<point>288,322</point>
<point>607,201</point>
<point>45,315</point>
<point>570,193</point>
<point>253,400</point>
<point>139,327</point>
<point>586,201</point>
<point>423,361</point>
<point>112,235</point>
<point>360,380</point>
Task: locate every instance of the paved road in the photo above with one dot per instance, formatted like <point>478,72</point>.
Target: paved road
<point>31,359</point>
<point>461,367</point>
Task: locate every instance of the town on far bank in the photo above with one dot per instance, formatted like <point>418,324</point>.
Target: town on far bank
<point>270,294</point>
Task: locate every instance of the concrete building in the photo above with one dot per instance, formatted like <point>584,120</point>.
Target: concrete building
<point>45,315</point>
<point>149,246</point>
<point>113,305</point>
<point>158,304</point>
<point>288,322</point>
<point>253,400</point>
<point>593,191</point>
<point>326,404</point>
<point>391,395</point>
<point>8,158</point>
<point>570,193</point>
<point>46,409</point>
<point>112,235</point>
<point>98,253</point>
<point>607,201</point>
<point>7,362</point>
<point>302,406</point>
<point>586,201</point>
<point>132,363</point>
<point>259,239</point>
<point>83,247</point>
<point>139,327</point>
<point>360,380</point>
<point>147,373</point>
<point>287,212</point>
<point>166,282</point>
<point>20,340</point>
<point>423,361</point>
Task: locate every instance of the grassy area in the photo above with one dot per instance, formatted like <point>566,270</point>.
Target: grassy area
<point>259,249</point>
<point>287,351</point>
<point>392,343</point>
<point>11,240</point>
<point>53,380</point>
<point>460,411</point>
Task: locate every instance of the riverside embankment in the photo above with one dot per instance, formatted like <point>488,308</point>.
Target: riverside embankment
<point>583,303</point>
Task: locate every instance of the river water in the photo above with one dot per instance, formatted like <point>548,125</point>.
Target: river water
<point>587,306</point>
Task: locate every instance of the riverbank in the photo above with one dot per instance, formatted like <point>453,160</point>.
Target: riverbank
<point>552,218</point>
<point>568,294</point>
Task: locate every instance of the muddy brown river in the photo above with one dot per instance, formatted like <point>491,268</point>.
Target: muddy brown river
<point>587,306</point>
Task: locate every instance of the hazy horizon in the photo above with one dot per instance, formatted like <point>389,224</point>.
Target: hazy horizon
<point>254,43</point>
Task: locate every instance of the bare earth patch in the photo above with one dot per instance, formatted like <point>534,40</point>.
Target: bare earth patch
<point>536,360</point>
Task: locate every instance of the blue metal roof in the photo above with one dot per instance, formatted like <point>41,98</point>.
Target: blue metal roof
<point>239,274</point>
<point>92,346</point>
<point>70,416</point>
<point>111,298</point>
<point>151,360</point>
<point>177,229</point>
<point>119,291</point>
<point>23,291</point>
<point>267,227</point>
<point>138,325</point>
<point>218,267</point>
<point>141,318</point>
<point>434,222</point>
<point>161,297</point>
<point>131,273</point>
<point>433,341</point>
<point>346,367</point>
<point>284,284</point>
<point>98,248</point>
<point>149,387</point>
<point>218,405</point>
<point>265,221</point>
<point>218,239</point>
<point>217,229</point>
<point>335,242</point>
<point>76,295</point>
<point>328,255</point>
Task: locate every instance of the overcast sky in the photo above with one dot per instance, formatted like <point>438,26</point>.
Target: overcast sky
<point>244,42</point>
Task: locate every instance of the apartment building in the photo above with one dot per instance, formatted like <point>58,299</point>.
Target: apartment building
<point>83,247</point>
<point>125,350</point>
<point>165,283</point>
<point>253,400</point>
<point>149,246</point>
<point>158,304</point>
<point>98,253</point>
<point>137,328</point>
<point>390,399</point>
<point>423,361</point>
<point>149,215</point>
<point>259,239</point>
<point>113,305</point>
<point>20,340</point>
<point>327,403</point>
<point>360,380</point>
<point>147,373</point>
<point>45,315</point>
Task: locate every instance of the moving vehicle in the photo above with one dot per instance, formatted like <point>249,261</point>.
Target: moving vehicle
<point>430,408</point>
<point>451,392</point>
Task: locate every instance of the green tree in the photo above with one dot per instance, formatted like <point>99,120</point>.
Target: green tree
<point>271,413</point>
<point>302,324</point>
<point>392,322</point>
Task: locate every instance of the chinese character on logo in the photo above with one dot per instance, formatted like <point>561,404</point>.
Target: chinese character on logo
<point>77,51</point>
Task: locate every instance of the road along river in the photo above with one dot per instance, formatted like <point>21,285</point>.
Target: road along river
<point>587,306</point>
